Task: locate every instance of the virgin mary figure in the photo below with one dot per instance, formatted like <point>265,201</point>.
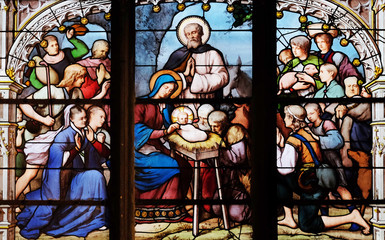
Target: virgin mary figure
<point>157,174</point>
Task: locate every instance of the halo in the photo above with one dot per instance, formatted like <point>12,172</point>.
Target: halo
<point>173,74</point>
<point>192,19</point>
<point>316,28</point>
<point>175,113</point>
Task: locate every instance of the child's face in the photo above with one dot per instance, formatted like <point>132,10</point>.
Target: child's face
<point>285,58</point>
<point>183,118</point>
<point>79,81</point>
<point>216,127</point>
<point>323,44</point>
<point>324,74</point>
<point>98,118</point>
<point>312,114</point>
<point>79,119</point>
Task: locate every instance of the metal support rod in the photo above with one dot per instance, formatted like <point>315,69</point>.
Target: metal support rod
<point>195,197</point>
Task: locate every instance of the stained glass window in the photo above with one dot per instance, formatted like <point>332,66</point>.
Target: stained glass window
<point>193,81</point>
<point>329,115</point>
<point>212,96</point>
<point>55,119</point>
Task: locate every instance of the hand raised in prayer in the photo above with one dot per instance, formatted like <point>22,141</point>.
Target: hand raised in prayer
<point>78,140</point>
<point>188,68</point>
<point>280,138</point>
<point>106,86</point>
<point>101,137</point>
<point>192,72</point>
<point>107,75</point>
<point>90,134</point>
<point>101,73</point>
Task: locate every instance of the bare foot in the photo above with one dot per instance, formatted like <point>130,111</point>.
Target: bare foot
<point>288,222</point>
<point>357,218</point>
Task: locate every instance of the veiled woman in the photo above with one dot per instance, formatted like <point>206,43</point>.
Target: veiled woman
<point>67,177</point>
<point>157,175</point>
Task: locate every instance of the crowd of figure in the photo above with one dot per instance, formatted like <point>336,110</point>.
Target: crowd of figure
<point>195,71</point>
<point>334,135</point>
<point>160,176</point>
<point>70,144</point>
<point>338,135</point>
<point>316,74</point>
<point>64,150</point>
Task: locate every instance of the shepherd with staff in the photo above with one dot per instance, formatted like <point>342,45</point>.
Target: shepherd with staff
<point>50,116</point>
<point>57,59</point>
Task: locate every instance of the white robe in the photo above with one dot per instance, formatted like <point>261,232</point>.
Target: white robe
<point>210,75</point>
<point>191,134</point>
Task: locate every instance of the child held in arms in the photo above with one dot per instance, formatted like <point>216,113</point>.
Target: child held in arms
<point>287,81</point>
<point>183,116</point>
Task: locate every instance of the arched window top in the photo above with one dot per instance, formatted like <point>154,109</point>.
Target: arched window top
<point>47,18</point>
<point>348,22</point>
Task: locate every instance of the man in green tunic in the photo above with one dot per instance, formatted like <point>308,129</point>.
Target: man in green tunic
<point>58,59</point>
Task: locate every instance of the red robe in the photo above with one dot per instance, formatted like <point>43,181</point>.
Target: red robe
<point>176,187</point>
<point>91,87</point>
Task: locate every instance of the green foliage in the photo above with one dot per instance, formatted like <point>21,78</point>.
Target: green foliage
<point>242,13</point>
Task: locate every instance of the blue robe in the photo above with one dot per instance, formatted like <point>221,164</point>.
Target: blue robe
<point>156,168</point>
<point>148,175</point>
<point>86,184</point>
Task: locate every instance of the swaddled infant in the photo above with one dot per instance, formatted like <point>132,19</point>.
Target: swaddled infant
<point>289,79</point>
<point>187,131</point>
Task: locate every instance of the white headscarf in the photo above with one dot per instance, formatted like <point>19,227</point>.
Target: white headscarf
<point>66,114</point>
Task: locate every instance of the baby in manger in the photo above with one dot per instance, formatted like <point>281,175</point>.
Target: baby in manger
<point>183,115</point>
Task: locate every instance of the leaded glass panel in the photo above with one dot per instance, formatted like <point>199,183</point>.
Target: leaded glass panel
<point>193,81</point>
<point>329,116</point>
<point>55,119</point>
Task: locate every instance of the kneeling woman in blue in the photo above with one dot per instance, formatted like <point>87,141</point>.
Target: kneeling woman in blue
<point>157,175</point>
<point>67,177</point>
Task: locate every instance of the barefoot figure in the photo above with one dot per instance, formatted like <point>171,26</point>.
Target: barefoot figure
<point>295,164</point>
